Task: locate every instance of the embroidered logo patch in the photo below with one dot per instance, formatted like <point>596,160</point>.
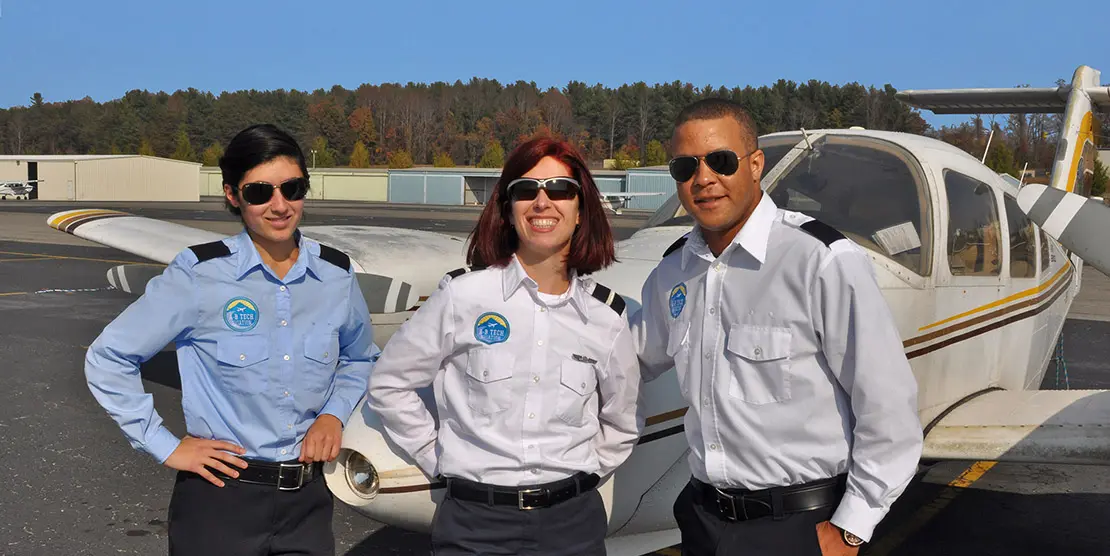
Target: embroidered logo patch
<point>678,300</point>
<point>491,328</point>
<point>240,314</point>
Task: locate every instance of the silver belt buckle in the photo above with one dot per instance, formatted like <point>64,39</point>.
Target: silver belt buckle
<point>300,475</point>
<point>520,497</point>
<point>729,510</point>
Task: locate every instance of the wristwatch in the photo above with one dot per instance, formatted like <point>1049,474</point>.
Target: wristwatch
<point>850,539</point>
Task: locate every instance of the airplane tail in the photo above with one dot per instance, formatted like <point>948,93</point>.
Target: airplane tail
<point>1075,149</point>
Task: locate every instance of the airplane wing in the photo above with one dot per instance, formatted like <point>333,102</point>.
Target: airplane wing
<point>396,268</point>
<point>1042,426</point>
<point>989,101</point>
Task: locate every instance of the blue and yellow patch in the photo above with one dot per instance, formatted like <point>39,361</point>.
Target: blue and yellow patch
<point>491,328</point>
<point>678,300</point>
<point>240,314</point>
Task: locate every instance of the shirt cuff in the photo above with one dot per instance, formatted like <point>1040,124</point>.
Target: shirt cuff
<point>426,459</point>
<point>338,409</point>
<point>857,517</point>
<point>162,445</point>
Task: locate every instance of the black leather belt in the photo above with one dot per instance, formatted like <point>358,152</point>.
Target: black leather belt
<point>282,475</point>
<point>741,505</point>
<point>526,497</point>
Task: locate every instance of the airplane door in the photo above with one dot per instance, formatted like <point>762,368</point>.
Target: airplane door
<point>969,285</point>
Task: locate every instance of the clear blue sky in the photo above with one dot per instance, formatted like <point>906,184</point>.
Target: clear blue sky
<point>69,49</point>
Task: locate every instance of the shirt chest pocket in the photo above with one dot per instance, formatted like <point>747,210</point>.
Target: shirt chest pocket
<point>321,351</point>
<point>578,380</point>
<point>678,348</point>
<point>242,363</point>
<point>759,363</point>
<point>488,380</point>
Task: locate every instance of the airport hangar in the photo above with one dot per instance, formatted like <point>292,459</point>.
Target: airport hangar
<point>103,177</point>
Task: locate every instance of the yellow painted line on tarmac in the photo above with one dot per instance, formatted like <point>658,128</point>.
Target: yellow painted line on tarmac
<point>30,258</point>
<point>892,541</point>
<point>13,293</point>
<point>61,257</point>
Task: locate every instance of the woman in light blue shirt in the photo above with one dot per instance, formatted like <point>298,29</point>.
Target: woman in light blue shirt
<point>274,348</point>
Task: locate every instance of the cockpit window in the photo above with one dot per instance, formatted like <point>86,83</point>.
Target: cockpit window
<point>974,239</point>
<point>870,190</point>
<point>672,213</point>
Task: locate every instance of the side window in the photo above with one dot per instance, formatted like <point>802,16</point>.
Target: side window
<point>974,239</point>
<point>1044,251</point>
<point>1023,241</point>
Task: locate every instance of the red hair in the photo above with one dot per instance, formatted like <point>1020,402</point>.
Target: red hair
<point>494,240</point>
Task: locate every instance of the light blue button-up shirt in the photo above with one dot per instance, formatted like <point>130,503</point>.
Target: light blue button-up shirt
<point>260,357</point>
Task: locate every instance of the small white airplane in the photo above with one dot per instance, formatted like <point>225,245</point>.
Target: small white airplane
<point>617,202</point>
<point>977,272</point>
<point>17,189</point>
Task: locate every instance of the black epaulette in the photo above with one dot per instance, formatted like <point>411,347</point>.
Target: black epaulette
<point>675,246</point>
<point>460,271</point>
<point>822,231</point>
<point>209,251</point>
<point>609,297</point>
<point>335,257</point>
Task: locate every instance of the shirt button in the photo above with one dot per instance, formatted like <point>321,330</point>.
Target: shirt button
<point>713,447</point>
<point>531,446</point>
<point>285,393</point>
<point>283,451</point>
<point>543,309</point>
<point>708,355</point>
<point>283,323</point>
<point>286,358</point>
<point>717,267</point>
<point>583,385</point>
<point>758,351</point>
<point>535,378</point>
<point>282,289</point>
<point>325,354</point>
<point>539,343</point>
<point>535,471</point>
<point>289,426</point>
<point>531,415</point>
<point>242,356</point>
<point>705,401</point>
<point>485,373</point>
<point>712,310</point>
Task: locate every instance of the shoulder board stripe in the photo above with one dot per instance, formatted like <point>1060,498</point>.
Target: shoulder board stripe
<point>460,271</point>
<point>609,297</point>
<point>335,257</point>
<point>675,246</point>
<point>209,251</point>
<point>818,229</point>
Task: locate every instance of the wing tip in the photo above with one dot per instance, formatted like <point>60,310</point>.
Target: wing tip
<point>67,221</point>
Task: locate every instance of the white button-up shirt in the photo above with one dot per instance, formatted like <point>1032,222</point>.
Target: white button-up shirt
<point>790,360</point>
<point>530,388</point>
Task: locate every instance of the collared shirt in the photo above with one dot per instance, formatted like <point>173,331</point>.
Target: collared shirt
<point>260,357</point>
<point>528,391</point>
<point>790,360</point>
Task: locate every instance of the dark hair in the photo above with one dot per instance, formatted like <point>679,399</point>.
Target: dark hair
<point>713,108</point>
<point>494,240</point>
<point>256,145</point>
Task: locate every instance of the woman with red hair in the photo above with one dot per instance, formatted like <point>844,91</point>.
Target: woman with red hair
<point>535,374</point>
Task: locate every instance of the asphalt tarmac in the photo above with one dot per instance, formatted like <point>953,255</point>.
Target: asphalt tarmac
<point>72,484</point>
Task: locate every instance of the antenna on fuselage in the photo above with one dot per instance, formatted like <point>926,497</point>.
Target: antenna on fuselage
<point>991,136</point>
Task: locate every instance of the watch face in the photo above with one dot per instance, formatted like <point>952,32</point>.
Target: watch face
<point>851,540</point>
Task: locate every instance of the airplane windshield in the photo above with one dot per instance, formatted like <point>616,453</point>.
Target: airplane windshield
<point>870,190</point>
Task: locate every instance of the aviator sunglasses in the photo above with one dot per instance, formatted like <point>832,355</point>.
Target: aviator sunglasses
<point>260,192</point>
<point>558,189</point>
<point>723,162</point>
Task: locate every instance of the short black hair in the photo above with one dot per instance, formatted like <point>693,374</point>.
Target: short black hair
<point>255,145</point>
<point>713,108</point>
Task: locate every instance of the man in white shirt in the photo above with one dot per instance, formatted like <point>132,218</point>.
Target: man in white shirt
<point>802,424</point>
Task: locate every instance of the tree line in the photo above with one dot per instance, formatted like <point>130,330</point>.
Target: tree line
<point>475,123</point>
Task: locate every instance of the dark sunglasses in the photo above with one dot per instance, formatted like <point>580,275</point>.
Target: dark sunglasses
<point>723,162</point>
<point>558,189</point>
<point>260,192</point>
